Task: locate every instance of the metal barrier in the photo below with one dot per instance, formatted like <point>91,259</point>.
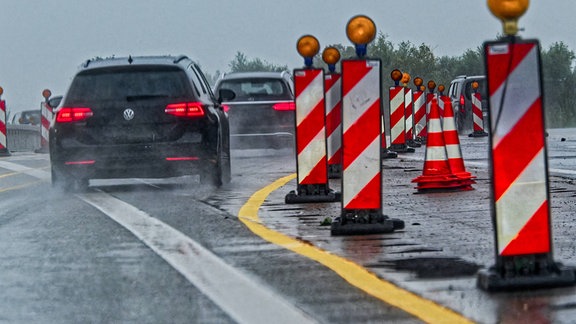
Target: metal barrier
<point>21,138</point>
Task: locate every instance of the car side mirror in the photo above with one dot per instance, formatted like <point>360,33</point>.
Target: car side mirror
<point>225,95</point>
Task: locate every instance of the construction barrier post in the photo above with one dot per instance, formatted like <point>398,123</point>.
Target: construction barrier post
<point>333,88</point>
<point>409,112</point>
<point>430,95</point>
<point>477,113</point>
<point>420,116</point>
<point>361,140</point>
<point>47,115</point>
<point>397,115</point>
<point>440,95</point>
<point>3,138</point>
<point>519,172</point>
<point>311,161</point>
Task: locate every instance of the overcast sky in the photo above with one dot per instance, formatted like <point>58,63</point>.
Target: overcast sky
<point>43,42</point>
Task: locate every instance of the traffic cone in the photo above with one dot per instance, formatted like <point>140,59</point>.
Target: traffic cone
<point>436,174</point>
<point>453,151</point>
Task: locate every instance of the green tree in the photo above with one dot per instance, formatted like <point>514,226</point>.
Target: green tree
<point>241,63</point>
<point>559,82</point>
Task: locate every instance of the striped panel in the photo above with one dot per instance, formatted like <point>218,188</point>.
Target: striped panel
<point>46,118</point>
<point>332,86</point>
<point>3,139</point>
<point>408,118</point>
<point>310,130</point>
<point>361,107</point>
<point>397,131</point>
<point>518,149</point>
<point>419,102</point>
<point>477,114</point>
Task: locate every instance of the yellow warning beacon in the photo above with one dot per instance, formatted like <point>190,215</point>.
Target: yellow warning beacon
<point>361,30</point>
<point>308,46</point>
<point>508,11</point>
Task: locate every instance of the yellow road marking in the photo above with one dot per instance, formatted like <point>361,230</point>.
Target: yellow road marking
<point>24,185</point>
<point>355,274</point>
<point>8,174</point>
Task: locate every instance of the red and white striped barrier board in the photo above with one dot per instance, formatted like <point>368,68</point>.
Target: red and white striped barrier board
<point>419,102</point>
<point>362,181</point>
<point>361,151</point>
<point>3,139</point>
<point>332,86</point>
<point>520,190</point>
<point>47,115</point>
<point>408,114</point>
<point>441,101</point>
<point>409,118</point>
<point>429,97</point>
<point>518,151</point>
<point>397,119</point>
<point>478,116</point>
<point>312,165</point>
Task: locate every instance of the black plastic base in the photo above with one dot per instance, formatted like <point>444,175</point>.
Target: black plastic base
<point>478,134</point>
<point>312,194</point>
<point>5,152</point>
<point>42,150</point>
<point>364,222</point>
<point>413,143</point>
<point>387,154</point>
<point>334,171</point>
<point>401,148</point>
<point>492,280</point>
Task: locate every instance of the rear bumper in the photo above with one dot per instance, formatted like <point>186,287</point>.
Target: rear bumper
<point>133,161</point>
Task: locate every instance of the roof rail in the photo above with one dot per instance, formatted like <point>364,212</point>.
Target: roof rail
<point>180,58</point>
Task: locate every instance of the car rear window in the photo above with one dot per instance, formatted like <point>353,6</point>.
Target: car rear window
<point>129,83</point>
<point>257,89</point>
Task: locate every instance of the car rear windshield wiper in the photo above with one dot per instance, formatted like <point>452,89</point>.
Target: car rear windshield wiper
<point>144,97</point>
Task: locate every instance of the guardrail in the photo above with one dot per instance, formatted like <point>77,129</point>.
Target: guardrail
<point>22,138</point>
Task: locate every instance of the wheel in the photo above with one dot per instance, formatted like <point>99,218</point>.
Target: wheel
<point>225,166</point>
<point>62,181</point>
<point>212,176</point>
<point>459,121</point>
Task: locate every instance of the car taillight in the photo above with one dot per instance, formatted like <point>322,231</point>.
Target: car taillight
<point>73,114</point>
<point>461,100</point>
<point>185,109</point>
<point>284,106</point>
<point>226,108</point>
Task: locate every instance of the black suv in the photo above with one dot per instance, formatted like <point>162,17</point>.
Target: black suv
<point>460,93</point>
<point>139,117</point>
<point>262,112</point>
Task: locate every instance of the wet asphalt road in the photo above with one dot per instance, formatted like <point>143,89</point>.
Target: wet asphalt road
<point>63,261</point>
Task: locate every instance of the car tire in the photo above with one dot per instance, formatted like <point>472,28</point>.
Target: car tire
<point>66,183</point>
<point>459,121</point>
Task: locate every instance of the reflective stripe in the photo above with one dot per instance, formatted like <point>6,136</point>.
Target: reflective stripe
<point>519,94</point>
<point>360,172</point>
<point>397,125</point>
<point>521,201</point>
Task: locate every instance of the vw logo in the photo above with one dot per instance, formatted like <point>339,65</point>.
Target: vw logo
<point>128,114</point>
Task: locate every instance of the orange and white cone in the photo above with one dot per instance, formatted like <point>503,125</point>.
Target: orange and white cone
<point>453,151</point>
<point>436,174</point>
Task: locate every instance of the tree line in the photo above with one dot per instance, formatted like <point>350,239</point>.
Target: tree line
<point>558,70</point>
